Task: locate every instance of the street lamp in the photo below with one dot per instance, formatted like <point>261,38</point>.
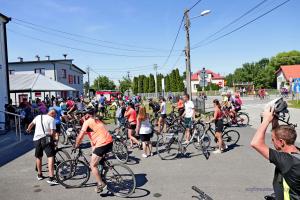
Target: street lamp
<point>188,48</point>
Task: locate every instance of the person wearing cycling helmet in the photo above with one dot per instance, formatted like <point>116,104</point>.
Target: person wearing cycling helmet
<point>285,155</point>
<point>101,142</point>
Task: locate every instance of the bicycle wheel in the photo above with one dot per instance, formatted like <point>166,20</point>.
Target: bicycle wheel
<point>231,137</point>
<point>167,147</point>
<point>120,151</point>
<point>72,173</point>
<point>60,156</point>
<point>120,180</point>
<point>200,140</point>
<point>242,119</point>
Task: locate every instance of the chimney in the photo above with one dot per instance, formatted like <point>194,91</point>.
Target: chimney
<point>37,57</point>
<point>20,59</point>
<point>48,57</point>
<point>65,55</point>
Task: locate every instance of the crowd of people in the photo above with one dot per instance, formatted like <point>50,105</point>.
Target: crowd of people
<point>47,115</point>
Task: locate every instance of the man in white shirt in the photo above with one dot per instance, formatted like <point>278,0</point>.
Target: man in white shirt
<point>44,131</point>
<point>189,115</point>
<point>163,114</point>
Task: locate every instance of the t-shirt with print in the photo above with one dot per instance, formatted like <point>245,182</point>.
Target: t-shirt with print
<point>189,109</point>
<point>163,108</point>
<point>49,124</point>
<point>286,182</point>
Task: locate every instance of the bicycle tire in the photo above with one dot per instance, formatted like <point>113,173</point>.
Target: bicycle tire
<point>114,179</point>
<point>242,119</point>
<point>68,170</point>
<point>231,137</point>
<point>198,141</point>
<point>167,147</point>
<point>120,151</point>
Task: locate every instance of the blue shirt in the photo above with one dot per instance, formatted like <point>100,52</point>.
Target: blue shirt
<point>58,114</point>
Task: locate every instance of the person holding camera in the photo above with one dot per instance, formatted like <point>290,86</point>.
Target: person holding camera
<point>45,127</point>
<point>285,156</point>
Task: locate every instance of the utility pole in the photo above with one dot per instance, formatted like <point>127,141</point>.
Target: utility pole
<point>187,53</point>
<point>128,76</point>
<point>155,69</point>
<point>88,89</point>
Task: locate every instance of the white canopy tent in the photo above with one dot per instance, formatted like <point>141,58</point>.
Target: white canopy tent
<point>34,83</point>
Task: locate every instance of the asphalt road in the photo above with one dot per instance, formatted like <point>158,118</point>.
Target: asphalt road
<point>237,174</point>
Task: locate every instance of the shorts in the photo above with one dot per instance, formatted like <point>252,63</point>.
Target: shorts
<point>102,109</point>
<point>237,109</point>
<point>163,116</point>
<point>180,111</point>
<point>101,151</point>
<point>219,125</point>
<point>145,137</point>
<point>57,129</point>
<point>188,122</point>
<point>40,146</point>
<point>132,126</point>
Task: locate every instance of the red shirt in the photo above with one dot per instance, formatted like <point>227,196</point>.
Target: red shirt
<point>131,116</point>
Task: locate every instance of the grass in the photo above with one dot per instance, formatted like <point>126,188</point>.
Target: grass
<point>294,104</point>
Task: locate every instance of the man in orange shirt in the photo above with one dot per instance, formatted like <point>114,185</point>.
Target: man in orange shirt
<point>101,142</point>
<point>180,106</point>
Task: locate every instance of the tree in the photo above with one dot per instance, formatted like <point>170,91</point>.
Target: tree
<point>159,77</point>
<point>135,85</point>
<point>167,84</point>
<point>179,80</point>
<point>285,58</point>
<point>151,84</point>
<point>146,84</point>
<point>140,83</point>
<point>103,83</point>
<point>125,84</point>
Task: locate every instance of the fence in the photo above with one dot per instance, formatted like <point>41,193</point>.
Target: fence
<point>17,120</point>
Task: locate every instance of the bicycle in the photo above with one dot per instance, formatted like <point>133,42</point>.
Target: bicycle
<point>202,195</point>
<point>169,146</point>
<point>240,119</point>
<point>75,173</point>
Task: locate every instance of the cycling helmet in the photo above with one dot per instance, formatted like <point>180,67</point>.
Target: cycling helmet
<point>279,105</point>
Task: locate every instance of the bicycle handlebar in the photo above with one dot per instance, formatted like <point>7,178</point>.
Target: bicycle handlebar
<point>201,193</point>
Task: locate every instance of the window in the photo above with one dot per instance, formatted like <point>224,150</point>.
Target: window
<point>78,80</point>
<point>11,72</point>
<point>64,73</point>
<point>39,71</point>
<point>74,79</point>
<point>70,79</point>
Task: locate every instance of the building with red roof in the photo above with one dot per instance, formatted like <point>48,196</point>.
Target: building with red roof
<point>212,78</point>
<point>286,73</point>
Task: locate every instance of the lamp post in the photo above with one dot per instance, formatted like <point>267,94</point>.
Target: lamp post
<point>188,48</point>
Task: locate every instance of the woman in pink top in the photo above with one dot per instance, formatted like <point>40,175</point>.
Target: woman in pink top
<point>130,114</point>
<point>101,142</point>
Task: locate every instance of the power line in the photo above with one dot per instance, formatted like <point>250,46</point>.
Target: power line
<point>85,50</point>
<point>234,21</point>
<point>240,27</point>
<point>172,48</point>
<point>195,4</point>
<point>87,37</point>
<point>76,40</point>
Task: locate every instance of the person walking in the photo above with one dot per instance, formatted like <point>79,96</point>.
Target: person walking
<point>130,114</point>
<point>43,139</point>
<point>144,129</point>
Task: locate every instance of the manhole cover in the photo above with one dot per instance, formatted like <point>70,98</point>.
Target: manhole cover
<point>37,190</point>
<point>157,195</point>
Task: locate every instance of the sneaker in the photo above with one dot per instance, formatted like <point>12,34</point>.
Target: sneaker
<point>40,177</point>
<point>144,155</point>
<point>100,188</point>
<point>52,181</point>
<point>217,151</point>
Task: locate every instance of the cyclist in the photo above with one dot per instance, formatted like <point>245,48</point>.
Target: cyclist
<point>237,103</point>
<point>180,106</point>
<point>189,115</point>
<point>130,114</point>
<point>101,142</point>
<point>285,156</point>
<point>154,106</point>
<point>218,119</point>
<point>163,114</point>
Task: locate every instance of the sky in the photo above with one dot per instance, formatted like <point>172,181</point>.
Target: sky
<point>116,36</point>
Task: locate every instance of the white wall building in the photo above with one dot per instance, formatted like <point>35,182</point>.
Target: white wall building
<point>4,84</point>
<point>212,78</point>
<point>63,71</point>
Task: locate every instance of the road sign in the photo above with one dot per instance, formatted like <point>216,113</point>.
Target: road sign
<point>203,84</point>
<point>296,88</point>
